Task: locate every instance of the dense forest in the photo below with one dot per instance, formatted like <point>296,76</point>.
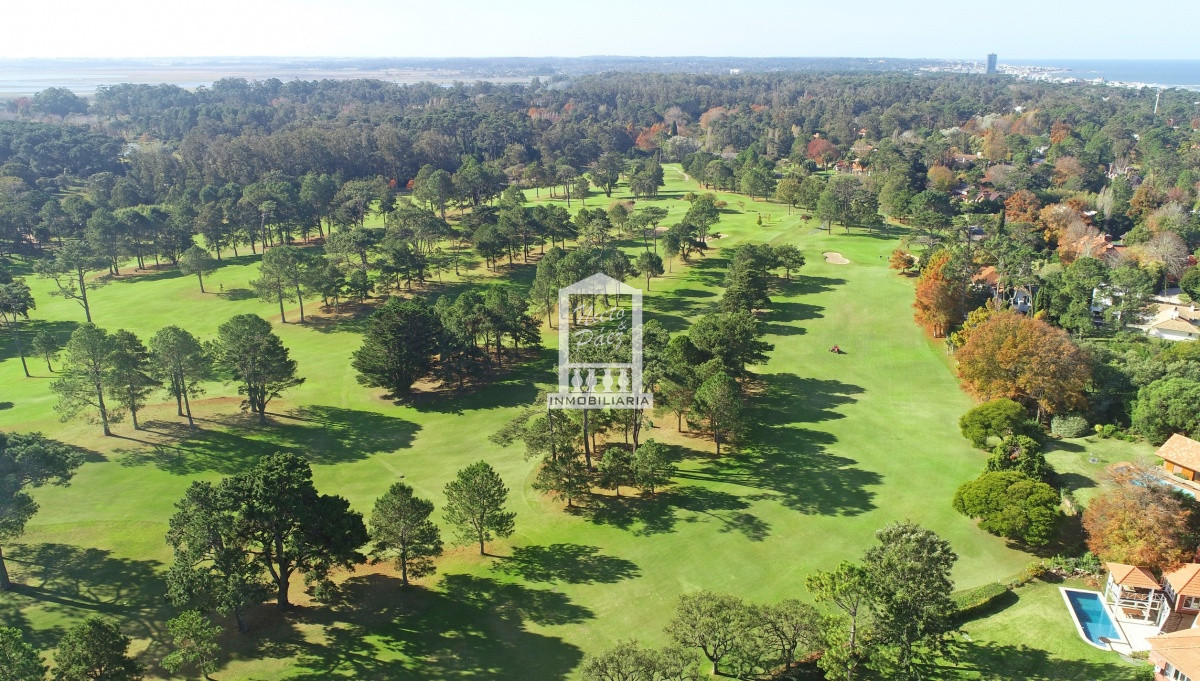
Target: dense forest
<point>1062,194</point>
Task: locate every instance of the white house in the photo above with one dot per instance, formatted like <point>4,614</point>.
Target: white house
<point>1174,322</point>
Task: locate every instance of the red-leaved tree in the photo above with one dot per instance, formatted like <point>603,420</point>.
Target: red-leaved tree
<point>941,296</point>
<point>822,151</point>
<point>1140,522</point>
<point>1026,360</point>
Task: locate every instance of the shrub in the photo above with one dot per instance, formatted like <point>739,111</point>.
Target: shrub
<point>1190,282</point>
<point>1087,565</point>
<point>1167,406</point>
<point>1069,425</point>
<point>1022,454</point>
<point>1012,505</point>
<point>972,602</point>
<point>998,418</point>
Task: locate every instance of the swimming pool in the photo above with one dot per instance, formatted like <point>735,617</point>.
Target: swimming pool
<point>1091,619</point>
<point>1168,483</point>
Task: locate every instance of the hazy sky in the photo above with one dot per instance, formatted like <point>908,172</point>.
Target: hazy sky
<point>1149,29</point>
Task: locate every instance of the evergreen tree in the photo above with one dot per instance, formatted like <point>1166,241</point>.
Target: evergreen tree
<point>95,649</point>
<point>400,526</point>
<point>399,346</point>
<point>131,382</point>
<point>475,505</point>
<point>249,351</point>
<point>87,375</point>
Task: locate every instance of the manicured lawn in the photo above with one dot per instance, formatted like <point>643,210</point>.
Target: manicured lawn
<point>845,444</point>
<point>1029,635</point>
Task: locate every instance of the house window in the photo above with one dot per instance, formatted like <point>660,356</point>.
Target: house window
<point>1192,602</point>
<point>1174,674</point>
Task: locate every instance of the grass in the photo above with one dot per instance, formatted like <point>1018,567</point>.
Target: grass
<point>845,444</point>
<point>1029,635</point>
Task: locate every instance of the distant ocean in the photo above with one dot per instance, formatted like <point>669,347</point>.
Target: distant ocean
<point>1183,73</point>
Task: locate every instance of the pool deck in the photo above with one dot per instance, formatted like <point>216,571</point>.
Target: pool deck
<point>1133,636</point>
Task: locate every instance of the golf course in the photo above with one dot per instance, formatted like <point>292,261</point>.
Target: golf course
<point>839,446</point>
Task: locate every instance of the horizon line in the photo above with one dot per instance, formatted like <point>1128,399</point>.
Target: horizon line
<point>577,57</point>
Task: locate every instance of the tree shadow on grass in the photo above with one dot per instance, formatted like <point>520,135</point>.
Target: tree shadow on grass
<point>513,386</point>
<point>1064,446</point>
<point>568,563</point>
<point>468,628</point>
<point>236,294</point>
<point>790,462</point>
<point>708,270</point>
<point>996,661</point>
<point>323,434</point>
<point>352,319</point>
<point>74,582</point>
<point>803,285</point>
<point>37,366</point>
<point>132,276</point>
<point>1073,481</point>
<point>661,512</point>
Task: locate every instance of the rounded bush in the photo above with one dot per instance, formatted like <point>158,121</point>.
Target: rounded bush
<point>1069,425</point>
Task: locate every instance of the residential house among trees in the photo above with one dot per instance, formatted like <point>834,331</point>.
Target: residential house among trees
<point>1134,595</point>
<point>1176,656</point>
<point>1181,456</point>
<point>1174,322</point>
<point>1019,298</point>
<point>1182,588</point>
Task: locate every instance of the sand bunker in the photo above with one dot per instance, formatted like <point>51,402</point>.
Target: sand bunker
<point>835,258</point>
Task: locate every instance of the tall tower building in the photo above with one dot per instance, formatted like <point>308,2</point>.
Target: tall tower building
<point>991,63</point>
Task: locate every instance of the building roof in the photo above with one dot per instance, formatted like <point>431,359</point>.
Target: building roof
<point>1130,575</point>
<point>1174,325</point>
<point>1181,450</point>
<point>987,275</point>
<point>1180,648</point>
<point>1186,580</point>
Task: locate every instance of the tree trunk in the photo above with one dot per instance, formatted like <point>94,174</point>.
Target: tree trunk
<point>587,452</point>
<point>191,423</point>
<point>281,317</point>
<point>404,566</point>
<point>284,580</point>
<point>481,551</point>
<point>133,415</point>
<point>5,584</point>
<point>300,298</point>
<point>103,410</point>
<point>20,350</point>
<point>240,615</point>
<point>87,311</point>
<point>201,278</point>
<point>179,403</point>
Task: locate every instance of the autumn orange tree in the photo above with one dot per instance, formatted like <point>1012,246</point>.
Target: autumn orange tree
<point>1022,206</point>
<point>822,151</point>
<point>900,260</point>
<point>941,296</point>
<point>1026,360</point>
<point>1141,522</point>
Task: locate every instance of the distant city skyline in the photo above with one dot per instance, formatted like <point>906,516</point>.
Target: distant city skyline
<point>1017,29</point>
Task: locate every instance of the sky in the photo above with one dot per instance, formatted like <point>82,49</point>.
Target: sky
<point>1016,29</point>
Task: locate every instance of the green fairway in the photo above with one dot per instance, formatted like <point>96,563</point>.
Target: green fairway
<point>844,444</point>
